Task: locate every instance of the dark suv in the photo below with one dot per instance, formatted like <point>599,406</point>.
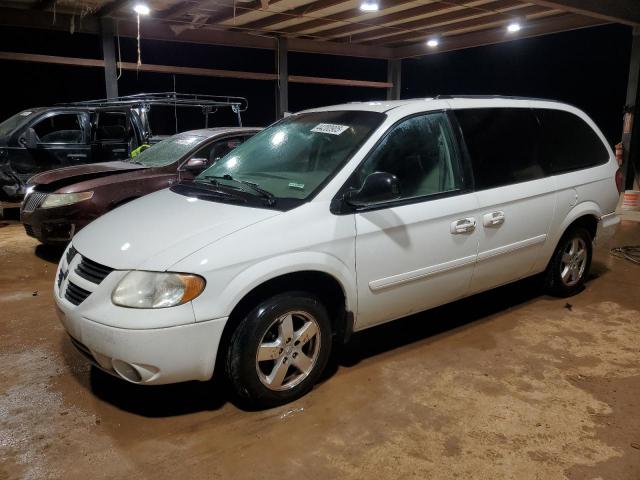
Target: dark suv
<point>42,139</point>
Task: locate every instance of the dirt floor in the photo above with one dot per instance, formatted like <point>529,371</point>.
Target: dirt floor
<point>510,384</point>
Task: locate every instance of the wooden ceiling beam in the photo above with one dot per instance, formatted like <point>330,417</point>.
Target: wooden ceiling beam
<point>179,9</point>
<point>338,17</point>
<point>206,36</point>
<point>412,13</point>
<point>619,11</point>
<point>280,17</point>
<point>536,28</point>
<point>433,26</point>
<point>110,8</point>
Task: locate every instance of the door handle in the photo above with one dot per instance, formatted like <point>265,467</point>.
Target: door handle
<point>464,225</point>
<point>493,219</point>
<point>76,155</point>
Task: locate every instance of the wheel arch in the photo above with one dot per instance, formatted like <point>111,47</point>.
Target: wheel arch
<point>335,292</point>
<point>585,214</point>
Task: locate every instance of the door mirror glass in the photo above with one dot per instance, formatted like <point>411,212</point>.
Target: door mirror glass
<point>195,164</point>
<point>377,187</point>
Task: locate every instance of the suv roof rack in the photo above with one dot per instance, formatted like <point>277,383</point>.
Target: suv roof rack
<point>488,97</point>
<point>208,103</point>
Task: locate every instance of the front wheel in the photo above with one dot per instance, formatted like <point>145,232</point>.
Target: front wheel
<point>570,263</point>
<point>279,350</point>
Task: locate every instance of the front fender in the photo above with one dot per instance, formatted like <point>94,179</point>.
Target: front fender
<point>227,296</point>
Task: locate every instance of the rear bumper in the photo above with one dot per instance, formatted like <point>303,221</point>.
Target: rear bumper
<point>607,227</point>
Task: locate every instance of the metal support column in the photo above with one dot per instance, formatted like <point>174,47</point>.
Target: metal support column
<point>109,55</point>
<point>631,130</point>
<point>282,84</point>
<point>394,75</point>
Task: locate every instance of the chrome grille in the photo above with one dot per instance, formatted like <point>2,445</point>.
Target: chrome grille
<point>92,271</point>
<point>33,201</point>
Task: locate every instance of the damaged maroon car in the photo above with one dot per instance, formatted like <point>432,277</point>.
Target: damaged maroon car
<point>60,202</point>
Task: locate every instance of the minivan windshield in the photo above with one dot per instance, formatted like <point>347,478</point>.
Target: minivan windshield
<point>168,150</point>
<point>295,156</point>
<point>13,122</point>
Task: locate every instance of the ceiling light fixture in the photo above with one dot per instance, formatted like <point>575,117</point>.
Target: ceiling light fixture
<point>369,6</point>
<point>142,9</point>
<point>514,27</point>
<point>433,42</point>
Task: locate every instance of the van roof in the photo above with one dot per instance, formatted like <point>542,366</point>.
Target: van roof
<point>386,105</point>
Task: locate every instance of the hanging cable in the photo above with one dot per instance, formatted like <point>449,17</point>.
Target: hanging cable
<point>119,53</point>
<point>630,253</point>
<point>138,38</point>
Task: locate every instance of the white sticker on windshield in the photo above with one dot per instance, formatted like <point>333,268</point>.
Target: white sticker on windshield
<point>330,128</point>
<point>25,114</point>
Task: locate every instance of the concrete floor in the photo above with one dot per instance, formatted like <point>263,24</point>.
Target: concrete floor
<point>508,384</point>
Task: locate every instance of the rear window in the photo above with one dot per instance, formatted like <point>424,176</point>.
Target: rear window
<point>504,145</point>
<point>569,142</point>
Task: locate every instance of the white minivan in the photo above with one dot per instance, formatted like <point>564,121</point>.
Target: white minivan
<point>331,221</point>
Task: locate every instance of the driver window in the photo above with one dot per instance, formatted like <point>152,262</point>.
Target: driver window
<point>420,152</point>
<point>62,128</point>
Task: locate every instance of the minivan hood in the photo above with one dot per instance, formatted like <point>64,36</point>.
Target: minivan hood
<point>157,230</point>
<point>68,175</point>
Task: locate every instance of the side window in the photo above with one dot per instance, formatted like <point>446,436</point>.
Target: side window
<point>504,145</point>
<point>419,151</point>
<point>569,142</point>
<point>62,128</point>
<point>216,150</point>
<point>112,126</point>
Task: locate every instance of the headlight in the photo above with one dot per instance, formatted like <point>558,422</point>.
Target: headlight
<point>156,290</point>
<point>62,199</point>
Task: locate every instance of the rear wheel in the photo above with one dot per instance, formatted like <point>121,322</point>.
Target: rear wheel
<point>570,263</point>
<point>279,350</point>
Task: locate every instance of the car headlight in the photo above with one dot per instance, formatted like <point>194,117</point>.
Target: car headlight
<point>156,289</point>
<point>61,199</point>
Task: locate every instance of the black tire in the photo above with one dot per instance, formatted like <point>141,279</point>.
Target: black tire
<point>248,377</point>
<point>557,284</point>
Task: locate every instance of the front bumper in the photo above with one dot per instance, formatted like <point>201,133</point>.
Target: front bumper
<point>54,226</point>
<point>148,347</point>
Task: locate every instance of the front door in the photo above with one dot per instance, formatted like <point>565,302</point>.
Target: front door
<point>418,251</point>
<point>516,198</point>
<point>60,140</point>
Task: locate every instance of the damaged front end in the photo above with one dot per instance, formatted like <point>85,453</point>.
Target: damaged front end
<point>12,189</point>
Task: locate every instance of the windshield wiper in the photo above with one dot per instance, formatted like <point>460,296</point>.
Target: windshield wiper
<point>270,197</point>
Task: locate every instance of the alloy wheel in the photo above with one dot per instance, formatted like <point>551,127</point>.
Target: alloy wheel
<point>288,350</point>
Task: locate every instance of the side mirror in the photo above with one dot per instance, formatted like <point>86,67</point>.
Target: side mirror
<point>378,187</point>
<point>195,164</point>
<point>29,138</point>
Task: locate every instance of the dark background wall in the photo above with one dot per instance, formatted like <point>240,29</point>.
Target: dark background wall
<point>586,67</point>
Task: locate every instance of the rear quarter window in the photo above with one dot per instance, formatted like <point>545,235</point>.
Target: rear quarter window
<point>569,143</point>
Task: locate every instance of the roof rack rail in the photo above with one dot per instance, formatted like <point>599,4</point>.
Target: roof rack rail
<point>207,103</point>
<point>487,97</point>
